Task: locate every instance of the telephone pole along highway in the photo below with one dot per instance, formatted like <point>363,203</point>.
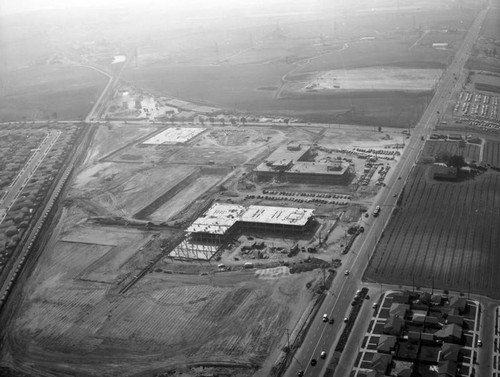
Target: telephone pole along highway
<point>321,336</point>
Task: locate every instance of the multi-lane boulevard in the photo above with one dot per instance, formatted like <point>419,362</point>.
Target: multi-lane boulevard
<point>14,190</point>
<point>323,337</point>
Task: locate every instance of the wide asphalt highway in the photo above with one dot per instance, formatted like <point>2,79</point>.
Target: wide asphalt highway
<point>321,336</point>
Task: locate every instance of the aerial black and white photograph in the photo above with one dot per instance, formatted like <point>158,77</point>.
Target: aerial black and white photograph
<point>249,188</point>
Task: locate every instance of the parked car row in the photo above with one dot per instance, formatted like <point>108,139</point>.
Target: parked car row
<point>307,194</point>
<point>298,200</point>
<point>377,152</point>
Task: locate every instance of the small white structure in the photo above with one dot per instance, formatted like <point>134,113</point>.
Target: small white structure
<point>174,135</point>
<point>440,46</point>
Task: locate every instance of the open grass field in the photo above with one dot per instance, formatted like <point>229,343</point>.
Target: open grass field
<point>479,59</point>
<point>445,234</point>
<point>248,76</point>
<point>40,92</point>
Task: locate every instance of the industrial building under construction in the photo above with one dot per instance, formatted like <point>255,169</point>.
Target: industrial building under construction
<point>296,163</point>
<point>207,233</point>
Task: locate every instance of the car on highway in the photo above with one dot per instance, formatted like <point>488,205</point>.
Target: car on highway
<point>323,354</point>
<point>301,373</point>
<point>375,305</point>
<point>325,317</point>
<point>346,319</point>
<point>479,343</point>
<point>376,211</point>
<point>331,321</point>
<point>314,362</point>
<point>346,273</point>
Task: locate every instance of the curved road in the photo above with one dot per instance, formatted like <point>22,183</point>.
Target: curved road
<point>321,336</point>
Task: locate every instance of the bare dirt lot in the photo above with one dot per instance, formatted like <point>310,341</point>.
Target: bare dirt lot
<point>378,79</point>
<point>72,317</point>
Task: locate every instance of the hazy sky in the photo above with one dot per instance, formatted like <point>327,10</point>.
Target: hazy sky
<point>15,6</point>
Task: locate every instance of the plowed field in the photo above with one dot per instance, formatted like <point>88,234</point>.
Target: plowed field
<point>444,234</point>
<point>492,153</point>
<point>470,152</point>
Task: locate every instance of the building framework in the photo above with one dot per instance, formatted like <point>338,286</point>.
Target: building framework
<point>208,233</point>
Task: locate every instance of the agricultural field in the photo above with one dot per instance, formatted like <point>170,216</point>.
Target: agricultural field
<point>471,152</point>
<point>491,153</point>
<point>255,77</point>
<point>50,93</point>
<point>483,58</point>
<point>442,234</point>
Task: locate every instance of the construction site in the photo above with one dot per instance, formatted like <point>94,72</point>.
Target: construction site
<point>205,177</point>
<point>170,223</point>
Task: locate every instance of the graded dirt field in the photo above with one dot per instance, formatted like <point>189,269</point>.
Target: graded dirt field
<point>112,137</point>
<point>442,234</point>
<point>73,321</point>
<point>74,316</point>
<point>125,189</point>
<point>378,79</point>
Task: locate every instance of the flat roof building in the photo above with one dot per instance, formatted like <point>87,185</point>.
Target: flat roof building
<point>207,234</point>
<point>276,218</point>
<point>218,219</point>
<point>221,219</point>
<point>293,163</point>
<point>174,135</point>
